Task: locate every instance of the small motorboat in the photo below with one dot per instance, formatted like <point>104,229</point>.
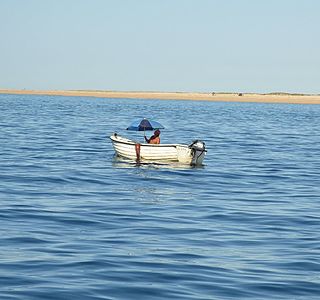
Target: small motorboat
<point>192,154</point>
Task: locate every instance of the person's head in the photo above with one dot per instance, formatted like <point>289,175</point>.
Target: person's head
<point>157,132</point>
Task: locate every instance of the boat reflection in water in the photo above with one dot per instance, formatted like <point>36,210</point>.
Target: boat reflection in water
<point>126,163</point>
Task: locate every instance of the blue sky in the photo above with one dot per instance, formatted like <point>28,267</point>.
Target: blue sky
<point>161,45</point>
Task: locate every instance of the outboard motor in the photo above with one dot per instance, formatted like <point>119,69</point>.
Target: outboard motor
<point>198,151</point>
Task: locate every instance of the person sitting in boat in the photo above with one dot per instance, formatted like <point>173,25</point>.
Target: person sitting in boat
<point>155,139</point>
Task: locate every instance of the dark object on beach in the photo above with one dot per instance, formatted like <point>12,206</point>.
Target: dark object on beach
<point>213,93</point>
<point>240,94</point>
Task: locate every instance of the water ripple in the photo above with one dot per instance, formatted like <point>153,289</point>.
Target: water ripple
<point>79,223</point>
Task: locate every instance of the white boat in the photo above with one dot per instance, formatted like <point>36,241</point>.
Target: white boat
<point>192,154</point>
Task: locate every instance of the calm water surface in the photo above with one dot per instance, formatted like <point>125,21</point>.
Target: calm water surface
<point>78,223</point>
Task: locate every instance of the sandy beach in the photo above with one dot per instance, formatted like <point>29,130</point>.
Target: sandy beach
<point>218,97</point>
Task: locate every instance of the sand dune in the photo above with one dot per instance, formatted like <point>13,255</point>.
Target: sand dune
<point>220,97</point>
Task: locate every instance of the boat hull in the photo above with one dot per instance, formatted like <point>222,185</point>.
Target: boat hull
<point>161,152</point>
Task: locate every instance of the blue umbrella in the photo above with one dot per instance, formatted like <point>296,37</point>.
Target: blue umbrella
<point>144,124</point>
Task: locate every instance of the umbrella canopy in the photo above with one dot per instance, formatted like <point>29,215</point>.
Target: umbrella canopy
<point>144,124</point>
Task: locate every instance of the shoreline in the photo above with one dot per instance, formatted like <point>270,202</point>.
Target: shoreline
<point>217,97</point>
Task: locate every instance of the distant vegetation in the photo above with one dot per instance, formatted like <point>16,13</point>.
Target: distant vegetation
<point>227,93</point>
<point>271,94</point>
<point>285,94</point>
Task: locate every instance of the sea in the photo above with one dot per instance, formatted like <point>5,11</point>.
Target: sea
<point>77,222</point>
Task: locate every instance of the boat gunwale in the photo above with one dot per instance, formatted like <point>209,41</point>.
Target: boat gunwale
<point>130,142</point>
